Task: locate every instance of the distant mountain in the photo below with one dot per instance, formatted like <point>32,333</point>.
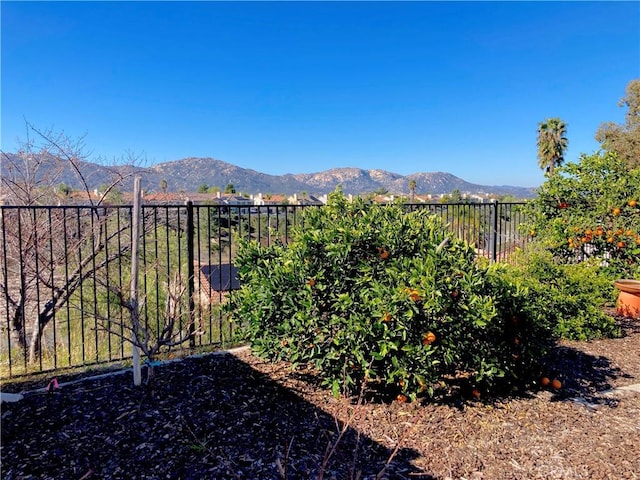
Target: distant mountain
<point>189,173</point>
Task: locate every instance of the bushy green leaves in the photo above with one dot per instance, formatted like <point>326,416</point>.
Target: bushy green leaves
<point>591,209</point>
<point>568,298</point>
<point>373,293</point>
<point>586,222</point>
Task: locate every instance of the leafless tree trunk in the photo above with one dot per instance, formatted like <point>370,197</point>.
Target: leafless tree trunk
<point>49,252</point>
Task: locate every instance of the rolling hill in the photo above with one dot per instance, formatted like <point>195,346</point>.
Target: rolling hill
<point>189,173</point>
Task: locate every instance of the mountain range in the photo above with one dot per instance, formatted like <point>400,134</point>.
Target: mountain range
<point>189,174</point>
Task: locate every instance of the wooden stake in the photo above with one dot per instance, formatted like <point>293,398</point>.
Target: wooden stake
<point>135,313</point>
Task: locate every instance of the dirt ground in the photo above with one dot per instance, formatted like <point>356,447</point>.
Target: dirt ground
<point>235,416</point>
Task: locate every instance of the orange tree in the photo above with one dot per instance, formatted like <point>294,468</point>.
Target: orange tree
<point>586,227</point>
<point>377,295</point>
<point>591,210</point>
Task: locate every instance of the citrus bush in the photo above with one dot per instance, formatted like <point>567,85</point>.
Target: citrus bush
<point>375,294</point>
<point>591,209</point>
<point>569,298</point>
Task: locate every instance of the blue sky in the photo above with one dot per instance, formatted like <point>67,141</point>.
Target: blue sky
<point>301,87</point>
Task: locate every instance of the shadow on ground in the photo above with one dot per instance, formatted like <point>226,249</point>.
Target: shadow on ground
<point>583,375</point>
<point>212,417</point>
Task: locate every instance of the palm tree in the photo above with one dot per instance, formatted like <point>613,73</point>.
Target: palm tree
<point>552,142</point>
<point>412,189</point>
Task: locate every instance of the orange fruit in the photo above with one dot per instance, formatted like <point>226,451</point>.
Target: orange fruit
<point>476,393</point>
<point>401,383</point>
<point>616,211</point>
<point>599,231</point>
<point>401,398</point>
<point>609,239</point>
<point>386,317</point>
<point>545,382</point>
<point>384,254</point>
<point>428,338</point>
<point>620,244</point>
<point>415,296</point>
<point>633,203</point>
<point>311,282</point>
<point>556,384</point>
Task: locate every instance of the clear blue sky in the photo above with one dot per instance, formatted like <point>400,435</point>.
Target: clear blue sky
<point>301,87</point>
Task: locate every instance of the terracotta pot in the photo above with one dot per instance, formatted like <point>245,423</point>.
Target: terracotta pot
<point>629,298</point>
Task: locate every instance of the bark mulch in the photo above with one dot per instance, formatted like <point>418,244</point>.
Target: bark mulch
<point>233,416</point>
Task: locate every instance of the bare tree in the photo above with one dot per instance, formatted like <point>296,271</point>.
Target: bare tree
<point>48,253</point>
<point>175,327</point>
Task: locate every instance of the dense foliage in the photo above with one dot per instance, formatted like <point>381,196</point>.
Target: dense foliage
<point>623,138</point>
<point>568,297</point>
<point>591,210</point>
<point>369,293</point>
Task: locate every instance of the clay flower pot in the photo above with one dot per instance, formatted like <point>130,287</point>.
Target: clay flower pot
<point>629,298</point>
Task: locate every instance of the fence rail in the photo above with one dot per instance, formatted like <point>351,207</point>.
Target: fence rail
<point>65,272</point>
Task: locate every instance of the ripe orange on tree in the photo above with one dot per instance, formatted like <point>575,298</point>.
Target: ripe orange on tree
<point>633,203</point>
<point>311,282</point>
<point>545,382</point>
<point>616,211</point>
<point>415,295</point>
<point>428,338</point>
<point>401,398</point>
<point>556,384</point>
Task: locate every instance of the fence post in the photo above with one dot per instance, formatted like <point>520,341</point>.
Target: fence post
<point>493,235</point>
<point>191,273</point>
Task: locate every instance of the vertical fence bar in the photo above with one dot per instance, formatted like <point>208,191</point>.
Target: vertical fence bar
<point>5,279</point>
<point>191,273</point>
<point>94,212</point>
<point>493,234</point>
<point>52,282</point>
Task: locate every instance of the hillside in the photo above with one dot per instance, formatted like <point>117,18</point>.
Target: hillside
<point>189,173</point>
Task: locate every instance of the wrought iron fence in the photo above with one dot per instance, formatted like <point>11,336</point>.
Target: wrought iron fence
<point>65,272</point>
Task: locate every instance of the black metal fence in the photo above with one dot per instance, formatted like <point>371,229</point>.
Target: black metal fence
<point>65,272</point>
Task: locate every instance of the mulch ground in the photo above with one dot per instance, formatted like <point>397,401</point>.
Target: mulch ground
<point>233,416</point>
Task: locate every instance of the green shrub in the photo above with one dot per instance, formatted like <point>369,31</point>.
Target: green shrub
<point>591,209</point>
<point>373,293</point>
<point>568,297</point>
